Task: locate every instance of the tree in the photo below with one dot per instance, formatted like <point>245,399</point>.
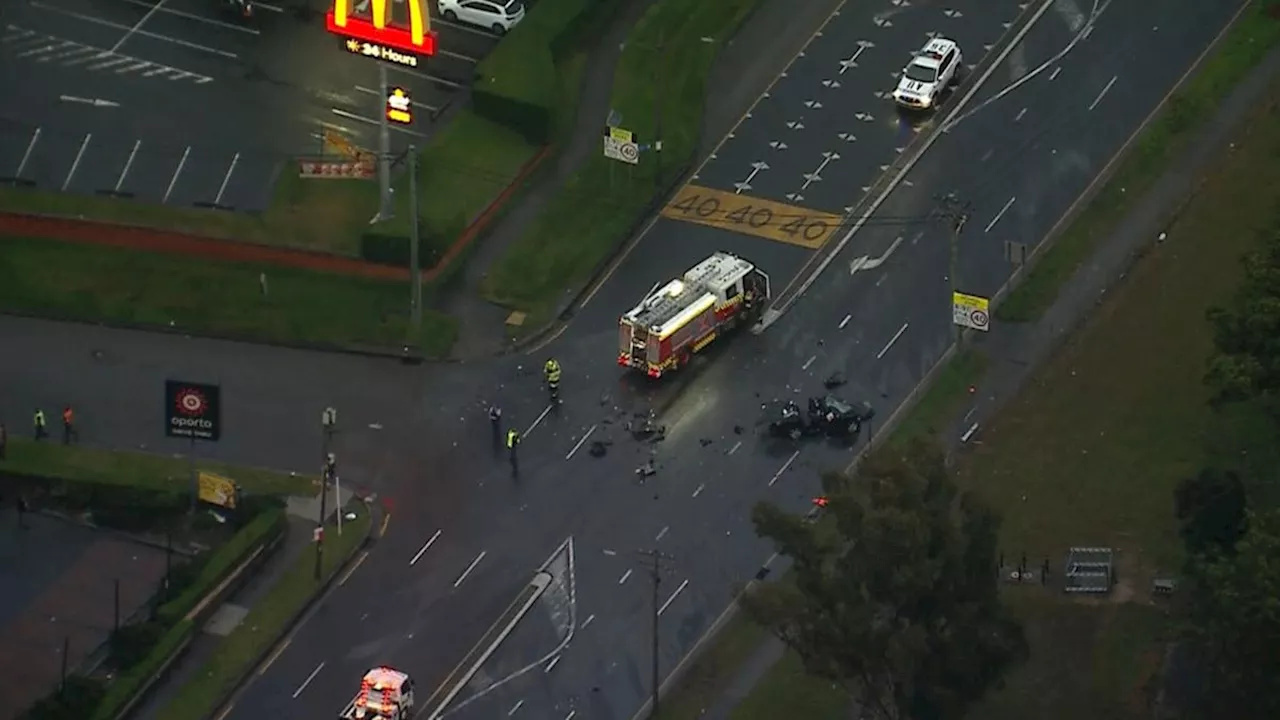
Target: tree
<point>1247,332</point>
<point>894,593</point>
<point>1235,622</point>
<point>1211,507</point>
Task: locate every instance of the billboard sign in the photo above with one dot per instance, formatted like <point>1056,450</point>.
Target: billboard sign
<point>376,36</point>
<point>218,490</point>
<point>192,410</point>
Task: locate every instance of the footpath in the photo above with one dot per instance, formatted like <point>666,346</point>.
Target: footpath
<point>302,515</point>
<point>1014,350</point>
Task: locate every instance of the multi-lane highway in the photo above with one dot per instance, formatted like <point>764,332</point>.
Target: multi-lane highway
<point>183,102</point>
<point>465,537</point>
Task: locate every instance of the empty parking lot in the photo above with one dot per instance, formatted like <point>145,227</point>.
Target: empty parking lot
<point>176,102</point>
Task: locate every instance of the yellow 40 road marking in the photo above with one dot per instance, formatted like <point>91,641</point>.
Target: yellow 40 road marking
<point>752,216</point>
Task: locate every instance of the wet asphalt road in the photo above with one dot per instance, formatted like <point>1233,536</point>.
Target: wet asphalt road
<point>1024,146</point>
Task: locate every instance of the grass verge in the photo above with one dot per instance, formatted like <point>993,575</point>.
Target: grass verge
<point>323,215</point>
<point>237,653</point>
<point>666,60</point>
<point>1243,47</point>
<point>147,472</point>
<point>103,284</point>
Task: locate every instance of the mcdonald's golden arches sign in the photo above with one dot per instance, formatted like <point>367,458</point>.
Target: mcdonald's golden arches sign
<point>377,36</point>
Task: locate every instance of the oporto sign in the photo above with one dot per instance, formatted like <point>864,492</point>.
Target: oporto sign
<point>192,410</point>
<point>377,35</point>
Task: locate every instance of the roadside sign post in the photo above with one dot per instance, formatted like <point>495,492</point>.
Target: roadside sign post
<point>415,272</point>
<point>192,411</point>
<point>328,424</point>
<point>970,311</point>
<point>385,210</point>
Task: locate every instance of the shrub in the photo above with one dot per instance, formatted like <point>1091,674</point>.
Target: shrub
<point>76,701</point>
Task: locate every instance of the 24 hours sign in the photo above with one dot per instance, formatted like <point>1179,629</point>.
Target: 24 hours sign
<point>192,410</point>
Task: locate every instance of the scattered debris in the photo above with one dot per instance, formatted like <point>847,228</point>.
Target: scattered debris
<point>705,441</point>
<point>646,470</point>
<point>598,448</point>
<point>834,380</point>
<point>737,430</point>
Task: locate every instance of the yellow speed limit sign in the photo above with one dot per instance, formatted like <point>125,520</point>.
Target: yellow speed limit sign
<point>971,311</point>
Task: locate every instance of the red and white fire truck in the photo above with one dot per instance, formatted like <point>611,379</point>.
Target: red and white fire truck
<point>385,694</point>
<point>682,317</point>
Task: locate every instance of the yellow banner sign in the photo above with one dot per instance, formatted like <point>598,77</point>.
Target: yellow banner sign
<point>218,490</point>
<point>753,216</point>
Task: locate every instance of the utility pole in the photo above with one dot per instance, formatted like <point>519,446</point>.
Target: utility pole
<point>328,424</point>
<point>657,123</point>
<point>653,560</point>
<point>415,272</point>
<point>958,214</point>
<point>385,206</point>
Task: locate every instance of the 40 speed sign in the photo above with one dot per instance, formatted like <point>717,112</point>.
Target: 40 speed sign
<point>971,311</point>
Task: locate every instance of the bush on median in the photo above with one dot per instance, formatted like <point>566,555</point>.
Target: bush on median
<point>664,65</point>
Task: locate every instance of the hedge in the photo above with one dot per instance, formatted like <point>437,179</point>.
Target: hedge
<point>127,686</point>
<point>266,527</point>
<point>517,84</point>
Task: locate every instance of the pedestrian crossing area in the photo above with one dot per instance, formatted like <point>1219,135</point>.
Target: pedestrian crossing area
<point>40,47</point>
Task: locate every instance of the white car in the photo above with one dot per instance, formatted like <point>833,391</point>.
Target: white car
<point>929,73</point>
<point>497,15</point>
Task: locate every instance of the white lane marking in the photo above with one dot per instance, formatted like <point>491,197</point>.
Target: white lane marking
<point>351,570</point>
<point>892,340</point>
<point>272,8</point>
<point>624,577</point>
<point>545,410</point>
<point>809,362</point>
<point>226,179</point>
<point>425,547</point>
<point>1000,214</point>
<point>307,682</point>
<point>1103,94</point>
<point>199,18</point>
<point>672,599</point>
<point>610,553</point>
<point>133,31</point>
<point>698,490</point>
<point>551,665</point>
<point>735,447</point>
<point>1019,116</point>
<point>845,321</point>
<point>572,714</point>
<point>467,28</point>
<point>1056,71</point>
<point>174,180</point>
<point>428,77</point>
<point>662,534</point>
<point>45,49</point>
<point>470,567</point>
<point>26,155</point>
<point>127,164</point>
<point>457,56</point>
<point>969,433</point>
<point>585,435</point>
<point>588,621</point>
<point>415,103</point>
<point>96,102</point>
<point>772,315</point>
<point>784,467</point>
<point>76,163</point>
<point>514,708</point>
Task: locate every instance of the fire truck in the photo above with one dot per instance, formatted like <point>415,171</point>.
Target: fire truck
<point>678,319</point>
<point>385,694</point>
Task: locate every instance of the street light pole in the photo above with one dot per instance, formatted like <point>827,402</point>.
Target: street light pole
<point>958,214</point>
<point>328,423</point>
<point>385,207</point>
<point>415,271</point>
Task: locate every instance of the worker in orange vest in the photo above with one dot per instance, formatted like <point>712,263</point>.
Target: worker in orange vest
<point>68,425</point>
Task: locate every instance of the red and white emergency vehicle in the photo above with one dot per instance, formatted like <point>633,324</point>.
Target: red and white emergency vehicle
<point>682,317</point>
<point>385,694</point>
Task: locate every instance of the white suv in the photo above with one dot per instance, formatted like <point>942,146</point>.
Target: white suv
<point>929,73</point>
<point>497,15</point>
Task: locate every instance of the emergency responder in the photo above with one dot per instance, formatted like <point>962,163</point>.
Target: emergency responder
<point>68,425</point>
<point>513,442</point>
<point>551,371</point>
<point>38,422</point>
<point>495,422</point>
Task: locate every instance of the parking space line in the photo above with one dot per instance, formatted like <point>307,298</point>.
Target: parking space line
<point>371,91</point>
<point>138,25</point>
<point>45,49</point>
<point>367,121</point>
<point>127,164</point>
<point>110,62</point>
<point>174,180</point>
<point>132,30</point>
<point>226,179</point>
<point>64,52</point>
<point>22,164</point>
<point>76,163</point>
<point>265,6</point>
<point>197,18</point>
<point>457,56</point>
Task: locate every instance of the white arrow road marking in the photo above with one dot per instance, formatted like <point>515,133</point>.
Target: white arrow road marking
<point>778,145</point>
<point>794,197</point>
<point>813,104</point>
<point>831,84</point>
<point>847,137</point>
<point>795,124</point>
<point>869,263</point>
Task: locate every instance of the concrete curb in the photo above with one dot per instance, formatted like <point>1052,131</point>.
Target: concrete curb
<point>229,700</point>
